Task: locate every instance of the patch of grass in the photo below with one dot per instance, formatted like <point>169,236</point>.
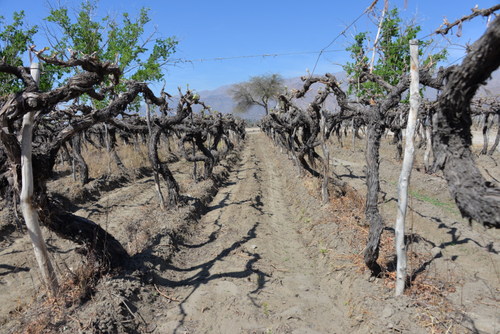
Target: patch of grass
<point>265,308</point>
<point>450,207</point>
<point>323,251</point>
<point>447,206</point>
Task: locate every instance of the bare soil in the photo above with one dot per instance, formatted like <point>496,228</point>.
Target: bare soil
<point>265,256</point>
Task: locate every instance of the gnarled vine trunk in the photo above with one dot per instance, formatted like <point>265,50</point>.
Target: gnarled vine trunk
<point>81,165</point>
<point>476,198</point>
<point>162,168</point>
<point>375,131</point>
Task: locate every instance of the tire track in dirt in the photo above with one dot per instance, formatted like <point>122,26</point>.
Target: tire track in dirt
<point>247,270</point>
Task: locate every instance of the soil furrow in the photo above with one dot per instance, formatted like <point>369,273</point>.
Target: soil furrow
<point>247,270</point>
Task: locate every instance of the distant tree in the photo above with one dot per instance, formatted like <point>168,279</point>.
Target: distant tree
<point>258,91</point>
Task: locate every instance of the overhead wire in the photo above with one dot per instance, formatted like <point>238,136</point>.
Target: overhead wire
<point>264,55</point>
<point>274,55</point>
<point>367,10</point>
<point>319,53</point>
<point>324,50</point>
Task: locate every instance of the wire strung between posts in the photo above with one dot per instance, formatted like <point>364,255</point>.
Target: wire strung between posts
<point>336,37</point>
<point>265,55</point>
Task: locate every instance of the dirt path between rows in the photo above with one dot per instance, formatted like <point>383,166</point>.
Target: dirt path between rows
<point>247,270</point>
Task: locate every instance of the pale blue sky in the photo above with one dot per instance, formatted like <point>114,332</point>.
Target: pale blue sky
<point>213,29</point>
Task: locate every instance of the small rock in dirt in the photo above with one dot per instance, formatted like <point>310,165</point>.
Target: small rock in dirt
<point>436,252</point>
<point>291,313</point>
<point>340,277</point>
<point>390,325</point>
<point>368,276</point>
<point>387,312</point>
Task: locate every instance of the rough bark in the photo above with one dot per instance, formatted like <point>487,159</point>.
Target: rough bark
<point>76,143</point>
<point>497,138</point>
<point>155,172</point>
<point>485,129</point>
<point>112,150</point>
<point>398,141</point>
<point>374,134</point>
<point>326,162</point>
<point>162,169</point>
<point>476,198</point>
<point>428,148</point>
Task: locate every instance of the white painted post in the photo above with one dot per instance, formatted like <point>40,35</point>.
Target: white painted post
<point>29,212</point>
<point>404,178</point>
<point>379,30</point>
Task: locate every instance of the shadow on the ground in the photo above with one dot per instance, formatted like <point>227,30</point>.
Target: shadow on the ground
<point>7,269</point>
<point>201,272</point>
<point>415,238</point>
<point>351,174</point>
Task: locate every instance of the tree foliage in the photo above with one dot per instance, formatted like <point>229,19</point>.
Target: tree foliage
<point>258,91</point>
<point>14,41</point>
<point>393,56</point>
<point>140,55</point>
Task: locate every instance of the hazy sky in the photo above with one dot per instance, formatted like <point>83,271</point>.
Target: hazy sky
<point>240,29</point>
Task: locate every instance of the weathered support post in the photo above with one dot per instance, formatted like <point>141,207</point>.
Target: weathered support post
<point>29,212</point>
<point>404,178</point>
<point>377,38</point>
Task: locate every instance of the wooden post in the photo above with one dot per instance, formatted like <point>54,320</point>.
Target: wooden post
<point>379,30</point>
<point>29,212</point>
<point>404,178</point>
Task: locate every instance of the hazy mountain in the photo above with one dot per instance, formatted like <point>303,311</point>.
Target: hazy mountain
<point>220,98</point>
<point>493,85</point>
